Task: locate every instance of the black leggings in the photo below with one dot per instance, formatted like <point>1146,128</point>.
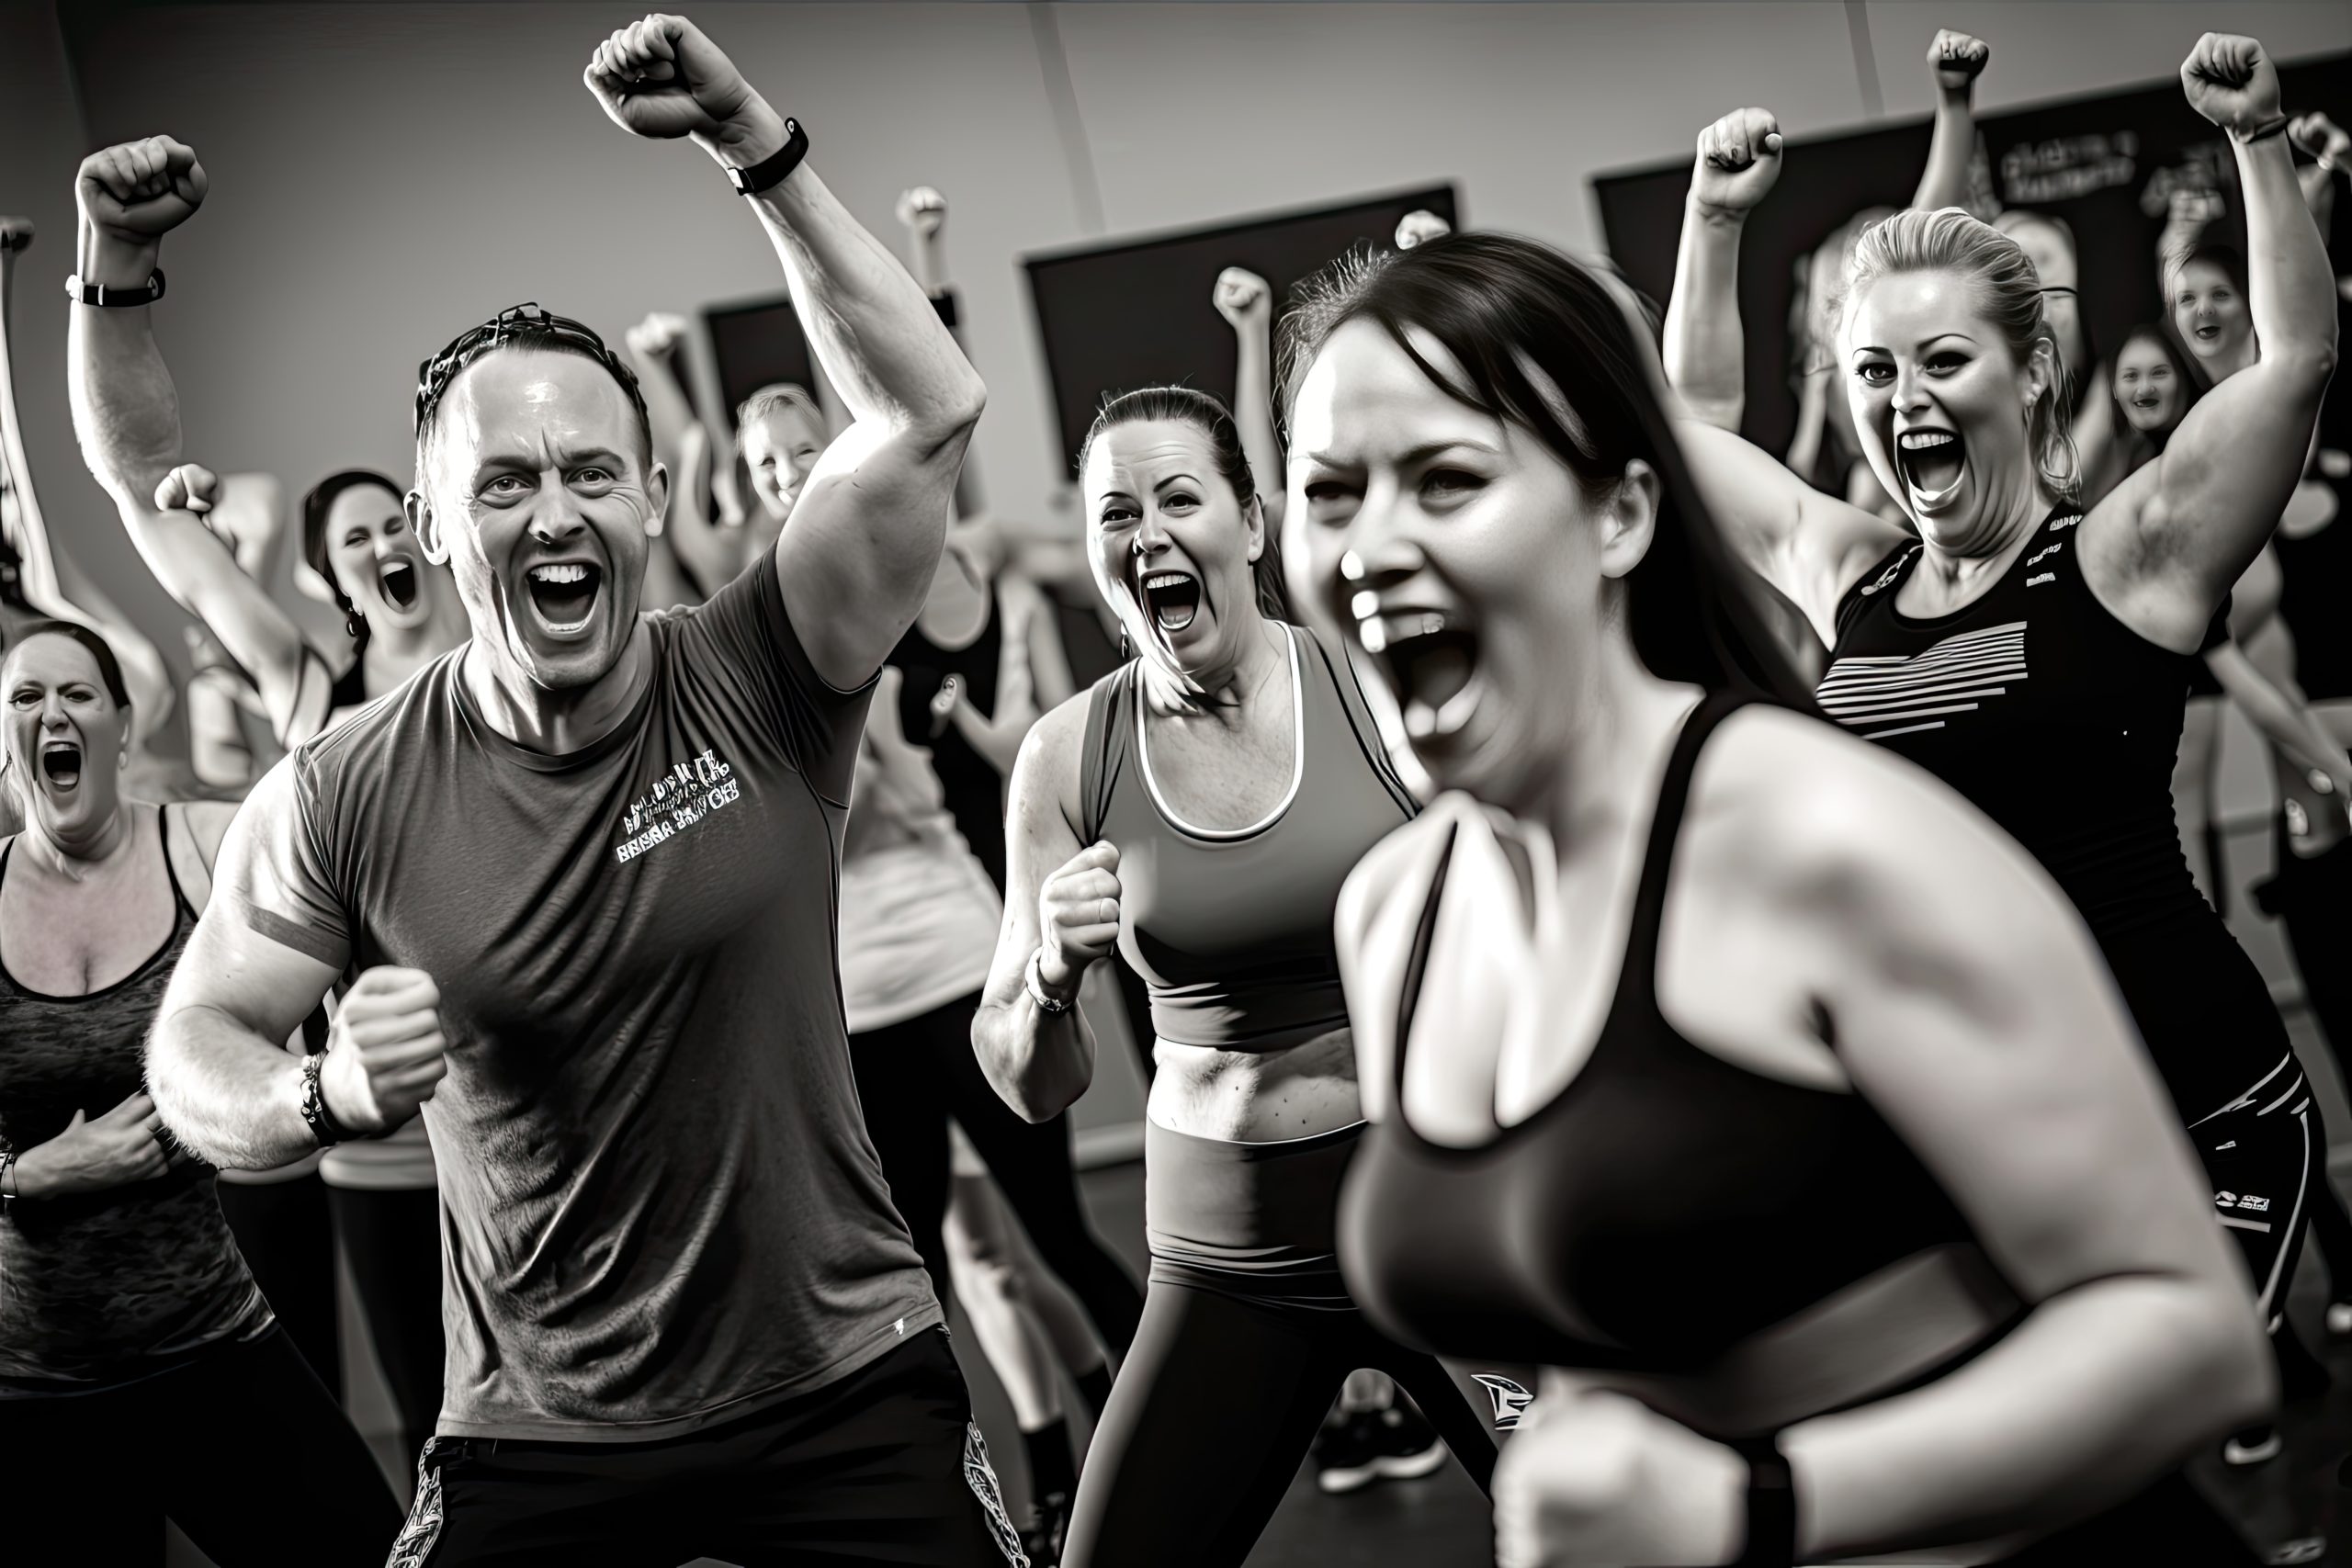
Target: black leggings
<point>282,1229</point>
<point>912,1078</point>
<point>1213,1411</point>
<point>242,1448</point>
<point>391,1241</point>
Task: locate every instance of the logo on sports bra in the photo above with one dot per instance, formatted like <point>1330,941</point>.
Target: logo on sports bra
<point>2046,552</point>
<point>1894,570</point>
<point>2039,578</point>
<point>1510,1400</point>
<point>2067,521</point>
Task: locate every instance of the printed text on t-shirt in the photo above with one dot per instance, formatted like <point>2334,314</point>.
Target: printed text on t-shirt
<point>679,798</point>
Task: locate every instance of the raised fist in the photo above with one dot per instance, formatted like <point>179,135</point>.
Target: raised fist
<point>1078,915</point>
<point>922,211</point>
<point>193,488</point>
<point>1740,157</point>
<point>2323,138</point>
<point>1243,298</point>
<point>656,335</point>
<point>140,191</point>
<point>661,78</point>
<point>1957,59</point>
<point>1418,226</point>
<point>385,1051</point>
<point>2231,82</point>
<point>2191,204</point>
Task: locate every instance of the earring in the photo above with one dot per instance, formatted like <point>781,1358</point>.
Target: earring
<point>354,624</point>
<point>1126,649</point>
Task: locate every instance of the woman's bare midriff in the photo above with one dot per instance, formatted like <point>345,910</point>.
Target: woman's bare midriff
<point>1257,1097</point>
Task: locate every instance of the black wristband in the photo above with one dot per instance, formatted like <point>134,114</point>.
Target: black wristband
<point>323,1124</point>
<point>99,294</point>
<point>2275,128</point>
<point>772,172</point>
<point>944,303</point>
<point>1771,1540</point>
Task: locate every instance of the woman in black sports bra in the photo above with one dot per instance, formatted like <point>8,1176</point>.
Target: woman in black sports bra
<point>142,1373</point>
<point>1713,1059</point>
<point>2033,655</point>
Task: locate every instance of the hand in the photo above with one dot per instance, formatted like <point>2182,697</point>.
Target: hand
<point>658,335</point>
<point>661,78</point>
<point>1243,298</point>
<point>922,211</point>
<point>1597,1478</point>
<point>2231,82</point>
<point>1957,59</point>
<point>1740,157</point>
<point>124,1145</point>
<point>138,192</point>
<point>2192,205</point>
<point>1418,226</point>
<point>2323,138</point>
<point>193,488</point>
<point>385,1051</point>
<point>1078,915</point>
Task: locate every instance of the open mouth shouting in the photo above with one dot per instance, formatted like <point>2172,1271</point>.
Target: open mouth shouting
<point>1432,663</point>
<point>397,581</point>
<point>2207,333</point>
<point>1932,462</point>
<point>563,595</point>
<point>61,764</point>
<point>1171,599</point>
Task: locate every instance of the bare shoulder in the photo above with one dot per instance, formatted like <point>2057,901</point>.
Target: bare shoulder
<point>1047,768</point>
<point>207,822</point>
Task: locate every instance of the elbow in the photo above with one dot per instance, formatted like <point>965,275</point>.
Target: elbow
<point>2226,1358</point>
<point>1021,1074</point>
<point>956,412</point>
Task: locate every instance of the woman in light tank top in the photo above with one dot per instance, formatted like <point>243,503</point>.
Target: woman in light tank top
<point>142,1373</point>
<point>1198,810</point>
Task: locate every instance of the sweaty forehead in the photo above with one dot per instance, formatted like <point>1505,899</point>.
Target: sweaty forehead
<point>1905,309</point>
<point>1145,452</point>
<point>53,659</point>
<point>1364,394</point>
<point>528,404</point>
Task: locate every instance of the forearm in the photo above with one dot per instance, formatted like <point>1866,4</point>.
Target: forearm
<point>2283,719</point>
<point>126,410</point>
<point>34,1178</point>
<point>1944,183</point>
<point>1706,358</point>
<point>2098,1392</point>
<point>1038,1062</point>
<point>229,1096</point>
<point>2290,288</point>
<point>1253,415</point>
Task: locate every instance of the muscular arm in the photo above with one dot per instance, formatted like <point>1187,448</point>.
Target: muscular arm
<point>1253,413</point>
<point>1954,60</point>
<point>1706,354</point>
<point>1972,1008</point>
<point>1037,1063</point>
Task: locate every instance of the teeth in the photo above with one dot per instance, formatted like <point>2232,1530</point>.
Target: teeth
<point>1166,579</point>
<point>1922,440</point>
<point>572,572</point>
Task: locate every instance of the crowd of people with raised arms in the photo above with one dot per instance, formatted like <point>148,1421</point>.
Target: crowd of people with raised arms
<point>1689,983</point>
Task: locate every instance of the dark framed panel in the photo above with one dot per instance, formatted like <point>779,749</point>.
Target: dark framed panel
<point>754,343</point>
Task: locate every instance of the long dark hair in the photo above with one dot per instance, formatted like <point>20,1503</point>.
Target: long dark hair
<point>1189,405</point>
<point>101,652</point>
<point>315,506</point>
<point>1500,305</point>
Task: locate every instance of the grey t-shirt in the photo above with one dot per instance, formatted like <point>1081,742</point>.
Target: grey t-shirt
<point>658,1206</point>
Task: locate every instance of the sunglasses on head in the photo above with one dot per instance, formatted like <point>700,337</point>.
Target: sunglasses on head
<point>525,323</point>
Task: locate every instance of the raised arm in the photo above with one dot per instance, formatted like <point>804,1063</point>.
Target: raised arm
<point>866,531</point>
<point>1955,59</point>
<point>2181,530</point>
<point>709,554</point>
<point>127,416</point>
<point>1057,895</point>
<point>924,213</point>
<point>1706,354</point>
<point>1247,303</point>
<point>2330,146</point>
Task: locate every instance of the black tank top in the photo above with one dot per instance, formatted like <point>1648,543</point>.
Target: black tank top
<point>1231,930</point>
<point>104,1288</point>
<point>1602,1231</point>
<point>2315,600</point>
<point>973,789</point>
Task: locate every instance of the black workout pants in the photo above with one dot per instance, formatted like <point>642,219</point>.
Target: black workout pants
<point>391,1241</point>
<point>243,1448</point>
<point>883,1466</point>
<point>1215,1409</point>
<point>912,1078</point>
<point>281,1227</point>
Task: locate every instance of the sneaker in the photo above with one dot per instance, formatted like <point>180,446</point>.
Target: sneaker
<point>1042,1529</point>
<point>1357,1450</point>
<point>2255,1445</point>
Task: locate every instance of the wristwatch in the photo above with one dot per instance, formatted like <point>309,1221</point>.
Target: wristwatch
<point>323,1124</point>
<point>1033,982</point>
<point>116,297</point>
<point>772,172</point>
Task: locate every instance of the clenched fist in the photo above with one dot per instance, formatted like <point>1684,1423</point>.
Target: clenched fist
<point>140,191</point>
<point>2231,82</point>
<point>385,1051</point>
<point>1077,915</point>
<point>1957,59</point>
<point>661,78</point>
<point>1243,298</point>
<point>1599,1478</point>
<point>658,335</point>
<point>1740,157</point>
<point>922,211</point>
<point>1418,226</point>
<point>2323,138</point>
<point>193,488</point>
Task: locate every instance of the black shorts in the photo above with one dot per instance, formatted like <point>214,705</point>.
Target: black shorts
<point>881,1466</point>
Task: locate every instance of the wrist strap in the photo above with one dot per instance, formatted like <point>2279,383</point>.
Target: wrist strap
<point>944,303</point>
<point>315,1114</point>
<point>116,299</point>
<point>770,173</point>
<point>1772,1505</point>
<point>7,1179</point>
<point>1033,981</point>
<point>2275,128</point>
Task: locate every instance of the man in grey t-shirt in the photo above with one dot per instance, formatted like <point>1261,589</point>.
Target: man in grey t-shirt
<point>577,880</point>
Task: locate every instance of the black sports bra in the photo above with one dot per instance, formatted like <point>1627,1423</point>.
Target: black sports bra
<point>1663,1208</point>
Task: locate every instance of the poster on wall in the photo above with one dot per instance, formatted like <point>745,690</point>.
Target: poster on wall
<point>1138,312</point>
<point>2107,165</point>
